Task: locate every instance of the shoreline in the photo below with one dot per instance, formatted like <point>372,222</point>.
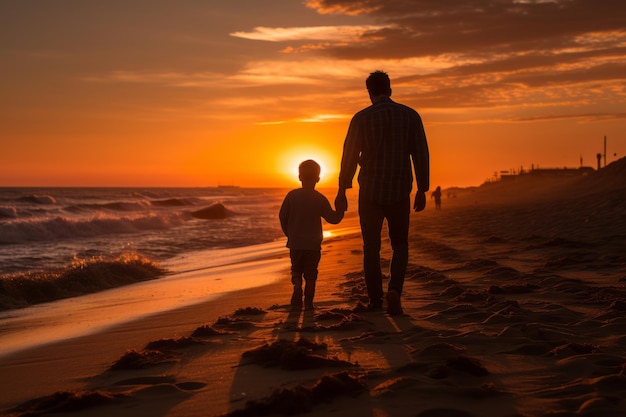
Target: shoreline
<point>194,279</point>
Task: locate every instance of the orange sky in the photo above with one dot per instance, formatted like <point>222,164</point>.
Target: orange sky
<point>196,93</point>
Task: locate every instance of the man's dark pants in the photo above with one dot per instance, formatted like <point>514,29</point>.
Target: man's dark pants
<point>371,217</point>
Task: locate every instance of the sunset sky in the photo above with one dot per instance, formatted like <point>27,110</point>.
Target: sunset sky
<point>201,93</point>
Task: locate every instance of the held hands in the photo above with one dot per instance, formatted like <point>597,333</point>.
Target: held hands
<point>341,202</point>
<point>420,201</point>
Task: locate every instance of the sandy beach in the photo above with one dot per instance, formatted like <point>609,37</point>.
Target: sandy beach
<point>514,305</point>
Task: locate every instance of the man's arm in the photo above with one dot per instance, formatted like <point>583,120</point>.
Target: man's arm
<point>341,201</point>
<point>421,159</point>
<point>349,162</point>
<point>350,156</point>
<point>421,165</point>
<point>420,201</point>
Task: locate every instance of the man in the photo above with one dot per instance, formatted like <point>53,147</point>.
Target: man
<point>383,139</point>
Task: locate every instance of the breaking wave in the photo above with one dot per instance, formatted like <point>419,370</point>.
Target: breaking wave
<point>81,276</point>
<point>38,199</point>
<point>46,229</point>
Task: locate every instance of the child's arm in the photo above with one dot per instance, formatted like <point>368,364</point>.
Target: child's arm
<point>330,215</point>
<point>283,215</point>
<point>340,215</point>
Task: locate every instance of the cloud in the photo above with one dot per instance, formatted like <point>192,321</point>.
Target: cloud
<point>341,7</point>
<point>170,78</point>
<point>519,56</point>
<point>430,27</point>
<point>316,118</point>
<point>592,117</point>
<point>324,33</point>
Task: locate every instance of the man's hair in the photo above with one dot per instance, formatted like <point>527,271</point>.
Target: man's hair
<point>309,169</point>
<point>378,84</point>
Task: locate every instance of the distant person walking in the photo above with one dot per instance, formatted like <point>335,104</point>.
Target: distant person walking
<point>384,139</point>
<point>437,196</point>
<point>301,220</point>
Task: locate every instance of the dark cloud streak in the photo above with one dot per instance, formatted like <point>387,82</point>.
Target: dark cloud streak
<point>424,27</point>
<point>503,52</point>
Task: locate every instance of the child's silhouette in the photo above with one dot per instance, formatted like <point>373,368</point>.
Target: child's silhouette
<point>301,220</point>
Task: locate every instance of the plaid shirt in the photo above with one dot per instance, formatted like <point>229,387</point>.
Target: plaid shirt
<point>383,139</point>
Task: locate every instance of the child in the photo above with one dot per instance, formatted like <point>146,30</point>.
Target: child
<point>301,220</point>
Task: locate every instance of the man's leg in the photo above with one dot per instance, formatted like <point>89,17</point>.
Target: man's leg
<point>371,217</point>
<point>398,223</point>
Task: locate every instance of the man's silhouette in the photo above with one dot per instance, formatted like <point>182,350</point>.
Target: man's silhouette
<point>383,139</point>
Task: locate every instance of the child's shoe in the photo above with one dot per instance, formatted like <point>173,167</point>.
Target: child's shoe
<point>309,293</point>
<point>296,298</point>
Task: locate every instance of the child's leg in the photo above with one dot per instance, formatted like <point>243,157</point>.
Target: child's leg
<point>310,276</point>
<point>296,277</point>
<point>296,297</point>
<point>309,293</point>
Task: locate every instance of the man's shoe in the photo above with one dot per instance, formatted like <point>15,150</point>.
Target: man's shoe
<point>374,307</point>
<point>362,308</point>
<point>394,308</point>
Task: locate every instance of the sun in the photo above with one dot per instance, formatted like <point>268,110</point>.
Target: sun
<point>291,159</point>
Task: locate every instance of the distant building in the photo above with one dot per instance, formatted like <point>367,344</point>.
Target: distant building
<point>546,172</point>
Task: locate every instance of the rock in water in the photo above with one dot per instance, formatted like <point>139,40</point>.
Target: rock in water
<point>216,211</point>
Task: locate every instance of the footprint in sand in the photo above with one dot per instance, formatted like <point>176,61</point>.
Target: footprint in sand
<point>190,386</point>
<point>148,380</point>
<point>163,380</point>
<point>444,412</point>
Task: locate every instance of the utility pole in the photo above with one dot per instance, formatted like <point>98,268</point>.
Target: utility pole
<point>605,151</point>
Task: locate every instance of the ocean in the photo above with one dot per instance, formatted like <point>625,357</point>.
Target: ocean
<point>47,232</point>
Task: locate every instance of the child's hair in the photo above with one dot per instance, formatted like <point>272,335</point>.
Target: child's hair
<point>309,170</point>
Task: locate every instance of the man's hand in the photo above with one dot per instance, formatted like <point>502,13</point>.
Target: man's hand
<point>341,202</point>
<point>420,201</point>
